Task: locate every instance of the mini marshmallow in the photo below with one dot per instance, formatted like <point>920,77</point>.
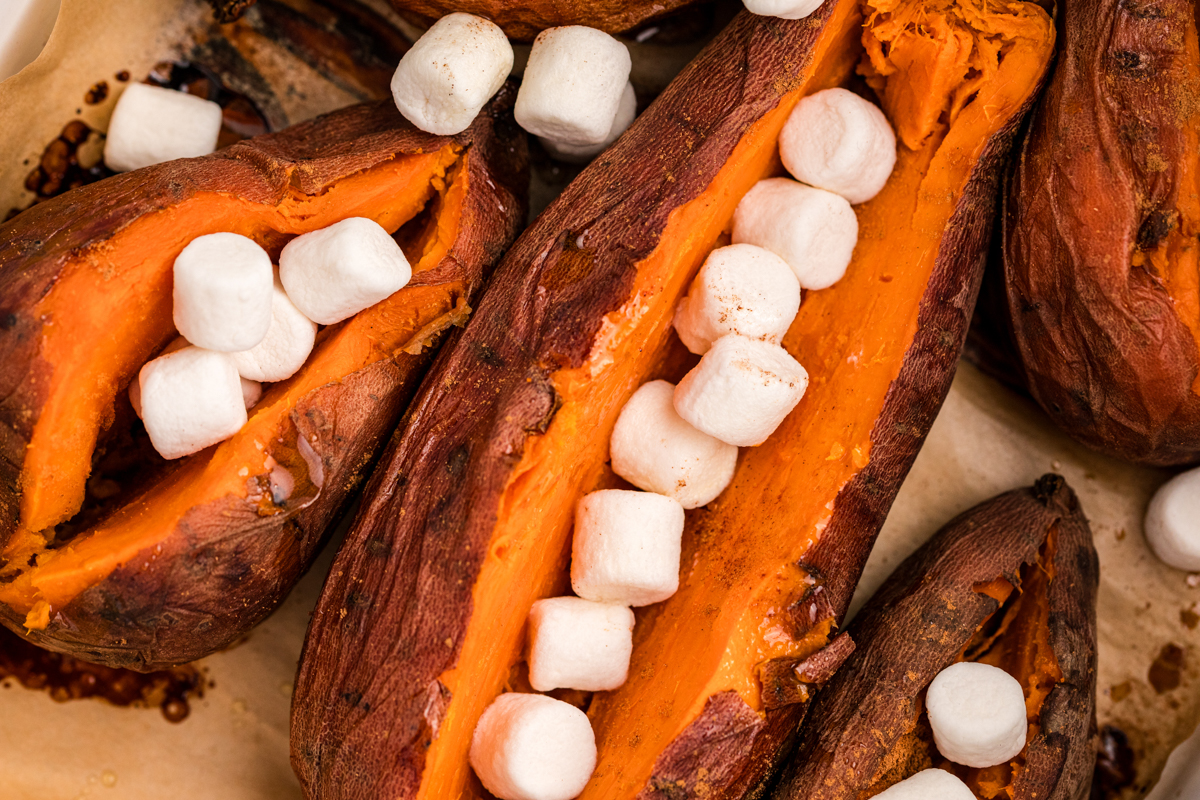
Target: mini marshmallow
<point>251,390</point>
<point>222,292</point>
<point>150,125</point>
<point>977,713</point>
<point>784,9</point>
<point>533,747</point>
<point>572,85</point>
<point>813,230</point>
<point>577,644</point>
<point>286,346</point>
<point>654,449</point>
<point>741,390</point>
<point>334,273</point>
<point>1173,522</point>
<point>191,399</point>
<point>837,141</point>
<point>578,154</point>
<point>626,547</point>
<point>930,784</point>
<point>741,289</point>
<point>451,72</point>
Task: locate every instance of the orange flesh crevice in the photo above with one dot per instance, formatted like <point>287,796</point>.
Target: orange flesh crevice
<point>738,569</point>
<point>94,354</point>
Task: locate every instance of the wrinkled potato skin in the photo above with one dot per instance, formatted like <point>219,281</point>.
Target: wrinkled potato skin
<point>1097,183</point>
<point>524,20</point>
<point>920,622</point>
<point>225,567</point>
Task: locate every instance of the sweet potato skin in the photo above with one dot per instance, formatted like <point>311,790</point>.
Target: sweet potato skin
<point>225,567</point>
<point>1096,189</point>
<point>525,20</point>
<point>391,617</point>
<point>921,621</point>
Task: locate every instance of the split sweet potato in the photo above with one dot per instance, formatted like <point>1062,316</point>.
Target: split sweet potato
<point>468,519</point>
<point>1011,583</point>
<point>1100,226</point>
<point>111,554</point>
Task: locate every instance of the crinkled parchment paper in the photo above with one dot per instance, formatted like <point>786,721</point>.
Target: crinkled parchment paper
<point>234,744</point>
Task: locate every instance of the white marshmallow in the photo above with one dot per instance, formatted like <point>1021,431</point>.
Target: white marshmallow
<point>334,273</point>
<point>813,230</point>
<point>930,784</point>
<point>977,713</point>
<point>626,547</point>
<point>741,390</point>
<point>741,289</point>
<point>222,292</point>
<point>451,72</point>
<point>251,392</point>
<point>654,449</point>
<point>286,346</point>
<point>577,644</point>
<point>191,399</point>
<point>837,141</point>
<point>533,747</point>
<point>151,124</point>
<point>578,154</point>
<point>784,9</point>
<point>1173,522</point>
<point>572,85</point>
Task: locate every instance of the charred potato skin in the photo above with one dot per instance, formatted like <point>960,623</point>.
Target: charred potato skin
<point>525,20</point>
<point>423,531</point>
<point>1096,182</point>
<point>920,622</point>
<point>225,567</point>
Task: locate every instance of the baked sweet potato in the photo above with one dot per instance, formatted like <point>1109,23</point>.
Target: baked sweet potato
<point>468,519</point>
<point>1011,583</point>
<point>1100,225</point>
<point>118,557</point>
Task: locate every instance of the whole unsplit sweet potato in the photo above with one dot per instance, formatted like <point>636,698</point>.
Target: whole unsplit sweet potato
<point>111,554</point>
<point>1100,227</point>
<point>1011,583</point>
<point>468,520</point>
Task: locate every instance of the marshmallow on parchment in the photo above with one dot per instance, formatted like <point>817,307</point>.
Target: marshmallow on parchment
<point>222,292</point>
<point>334,273</point>
<point>286,346</point>
<point>626,547</point>
<point>837,141</point>
<point>741,289</point>
<point>784,9</point>
<point>578,154</point>
<point>191,399</point>
<point>1173,522</point>
<point>813,230</point>
<point>578,644</point>
<point>151,124</point>
<point>741,390</point>
<point>572,85</point>
<point>977,713</point>
<point>451,72</point>
<point>930,784</point>
<point>653,448</point>
<point>533,747</point>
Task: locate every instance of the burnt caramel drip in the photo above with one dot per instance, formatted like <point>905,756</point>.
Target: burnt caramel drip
<point>67,678</point>
<point>1115,765</point>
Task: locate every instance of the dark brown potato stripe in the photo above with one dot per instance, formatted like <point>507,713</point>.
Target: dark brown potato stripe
<point>468,520</point>
<point>192,554</point>
<point>867,729</point>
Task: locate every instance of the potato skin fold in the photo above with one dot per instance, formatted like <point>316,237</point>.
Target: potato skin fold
<point>400,600</point>
<point>921,621</point>
<point>227,564</point>
<point>1099,235</point>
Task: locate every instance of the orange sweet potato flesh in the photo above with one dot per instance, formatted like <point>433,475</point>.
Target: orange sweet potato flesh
<point>468,520</point>
<point>1011,583</point>
<point>1100,224</point>
<point>190,554</point>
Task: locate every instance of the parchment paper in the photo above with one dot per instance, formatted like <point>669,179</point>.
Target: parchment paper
<point>234,744</point>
